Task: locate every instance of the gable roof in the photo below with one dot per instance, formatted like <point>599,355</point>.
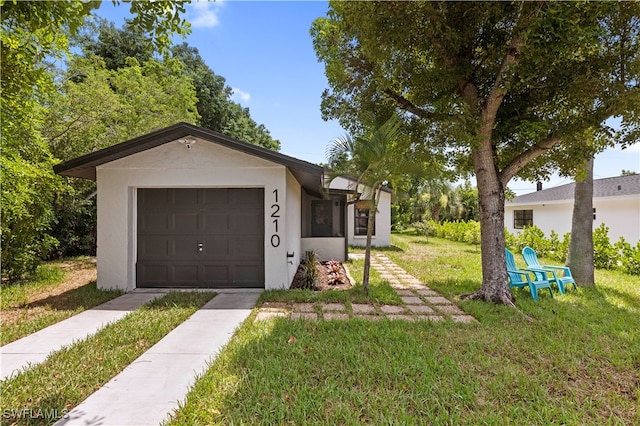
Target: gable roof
<point>607,187</point>
<point>309,175</point>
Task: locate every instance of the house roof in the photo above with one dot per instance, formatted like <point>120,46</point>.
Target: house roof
<point>309,175</point>
<point>607,187</point>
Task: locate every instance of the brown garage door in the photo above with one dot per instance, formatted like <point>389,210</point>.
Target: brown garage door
<point>206,237</point>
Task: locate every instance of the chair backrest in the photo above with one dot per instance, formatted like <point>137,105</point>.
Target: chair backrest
<point>511,261</point>
<point>530,257</point>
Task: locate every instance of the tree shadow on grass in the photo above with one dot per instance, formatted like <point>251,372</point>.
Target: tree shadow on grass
<point>86,296</point>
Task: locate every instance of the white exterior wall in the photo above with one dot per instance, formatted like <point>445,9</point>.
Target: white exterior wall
<point>382,237</point>
<point>620,214</point>
<point>326,248</point>
<point>205,165</point>
<point>293,226</point>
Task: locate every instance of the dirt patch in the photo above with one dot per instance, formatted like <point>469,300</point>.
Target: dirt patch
<point>78,273</point>
<point>325,280</point>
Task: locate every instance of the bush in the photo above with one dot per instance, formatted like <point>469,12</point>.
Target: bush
<point>533,237</point>
<point>309,271</point>
<point>605,255</point>
<point>630,256</point>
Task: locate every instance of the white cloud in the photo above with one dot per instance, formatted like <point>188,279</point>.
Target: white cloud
<point>204,14</point>
<point>240,96</point>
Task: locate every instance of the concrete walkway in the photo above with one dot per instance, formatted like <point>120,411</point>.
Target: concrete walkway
<point>35,348</point>
<point>149,389</point>
<point>420,303</point>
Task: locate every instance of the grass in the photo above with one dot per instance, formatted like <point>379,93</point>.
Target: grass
<point>58,291</point>
<point>70,375</point>
<point>380,292</point>
<point>571,359</point>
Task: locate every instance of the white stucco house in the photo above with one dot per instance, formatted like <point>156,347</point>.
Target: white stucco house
<point>188,207</point>
<point>616,203</point>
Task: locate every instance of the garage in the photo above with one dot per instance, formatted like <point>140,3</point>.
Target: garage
<point>200,237</point>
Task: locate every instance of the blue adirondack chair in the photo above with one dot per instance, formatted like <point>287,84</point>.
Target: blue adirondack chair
<point>520,278</point>
<point>561,275</point>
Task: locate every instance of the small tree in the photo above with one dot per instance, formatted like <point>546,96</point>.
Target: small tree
<point>375,157</point>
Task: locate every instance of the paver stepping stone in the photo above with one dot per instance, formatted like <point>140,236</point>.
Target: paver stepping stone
<point>416,286</point>
<point>387,276</point>
<point>333,307</point>
<point>391,309</point>
<point>275,305</point>
<point>405,292</point>
<point>369,317</point>
<point>412,300</point>
<point>427,292</point>
<point>268,315</point>
<point>420,309</point>
<point>406,277</point>
<point>450,309</point>
<point>361,308</point>
<point>397,285</point>
<point>463,318</point>
<point>402,317</point>
<point>335,316</point>
<point>303,307</point>
<point>438,300</point>
<point>430,317</point>
<point>304,316</point>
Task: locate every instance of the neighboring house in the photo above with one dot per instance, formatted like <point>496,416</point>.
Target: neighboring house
<point>616,203</point>
<point>188,207</point>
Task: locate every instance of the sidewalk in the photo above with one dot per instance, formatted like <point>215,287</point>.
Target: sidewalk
<point>35,348</point>
<point>149,389</point>
<point>420,303</point>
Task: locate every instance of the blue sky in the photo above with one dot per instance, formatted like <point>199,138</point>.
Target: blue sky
<point>264,51</point>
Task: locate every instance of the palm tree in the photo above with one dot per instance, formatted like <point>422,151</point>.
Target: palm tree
<point>376,157</point>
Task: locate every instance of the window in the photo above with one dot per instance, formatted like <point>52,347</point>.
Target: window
<point>522,218</point>
<point>362,210</point>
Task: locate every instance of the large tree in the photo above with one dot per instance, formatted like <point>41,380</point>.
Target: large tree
<point>33,32</point>
<point>503,87</point>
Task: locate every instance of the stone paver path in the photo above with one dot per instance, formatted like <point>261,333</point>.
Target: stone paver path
<point>420,303</point>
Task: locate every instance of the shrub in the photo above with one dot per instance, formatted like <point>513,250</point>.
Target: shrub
<point>605,255</point>
<point>308,270</point>
<point>630,256</point>
<point>533,237</point>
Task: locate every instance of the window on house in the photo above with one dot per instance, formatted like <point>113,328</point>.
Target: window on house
<point>522,218</point>
<point>362,210</point>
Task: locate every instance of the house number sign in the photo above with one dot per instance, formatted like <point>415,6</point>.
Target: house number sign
<point>275,215</point>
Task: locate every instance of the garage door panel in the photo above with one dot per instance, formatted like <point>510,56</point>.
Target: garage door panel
<point>154,197</point>
<point>185,198</point>
<point>186,274</point>
<point>246,249</point>
<point>217,223</point>
<point>229,223</point>
<point>185,223</point>
<point>152,221</point>
<point>154,248</point>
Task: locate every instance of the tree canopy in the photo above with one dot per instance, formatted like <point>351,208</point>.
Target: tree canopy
<point>504,88</point>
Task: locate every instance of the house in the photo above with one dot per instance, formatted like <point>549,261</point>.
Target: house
<point>616,203</point>
<point>188,207</point>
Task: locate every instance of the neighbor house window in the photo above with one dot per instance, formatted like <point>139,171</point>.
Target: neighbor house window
<point>362,211</point>
<point>522,218</point>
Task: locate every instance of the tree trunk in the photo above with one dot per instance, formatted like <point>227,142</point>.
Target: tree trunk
<point>375,194</point>
<point>580,258</point>
<point>495,286</point>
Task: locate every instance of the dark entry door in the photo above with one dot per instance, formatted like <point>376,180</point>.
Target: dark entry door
<point>205,237</point>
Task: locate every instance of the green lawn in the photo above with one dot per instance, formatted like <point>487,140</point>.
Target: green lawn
<point>70,375</point>
<point>59,290</point>
<point>570,359</point>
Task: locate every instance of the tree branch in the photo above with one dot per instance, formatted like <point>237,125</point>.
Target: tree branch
<point>407,105</point>
<point>521,160</point>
